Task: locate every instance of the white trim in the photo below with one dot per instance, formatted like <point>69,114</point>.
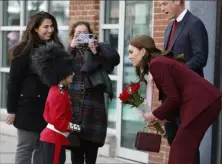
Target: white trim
<point>152,22</point>
<point>51,127</point>
<point>5,69</point>
<point>101,20</point>
<point>110,26</point>
<point>120,74</point>
<point>10,28</point>
<point>22,14</point>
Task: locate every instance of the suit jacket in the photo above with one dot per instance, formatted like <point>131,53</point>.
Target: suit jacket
<point>190,39</point>
<point>185,90</point>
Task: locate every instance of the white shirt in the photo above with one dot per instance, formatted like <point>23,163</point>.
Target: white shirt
<point>180,17</point>
<point>150,90</point>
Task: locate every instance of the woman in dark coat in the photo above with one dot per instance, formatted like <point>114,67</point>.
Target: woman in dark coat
<point>198,101</point>
<point>91,81</point>
<point>26,93</point>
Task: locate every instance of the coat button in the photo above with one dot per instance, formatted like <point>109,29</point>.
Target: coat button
<point>38,95</point>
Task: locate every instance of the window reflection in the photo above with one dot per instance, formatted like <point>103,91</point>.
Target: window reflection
<point>138,20</point>
<point>11,12</point>
<point>111,106</point>
<point>10,39</point>
<point>3,98</point>
<point>63,35</point>
<point>111,12</point>
<point>60,10</point>
<point>33,7</point>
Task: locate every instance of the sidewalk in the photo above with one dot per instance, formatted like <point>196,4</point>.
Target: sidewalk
<point>8,145</point>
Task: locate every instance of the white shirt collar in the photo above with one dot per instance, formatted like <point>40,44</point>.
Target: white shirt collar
<point>180,17</point>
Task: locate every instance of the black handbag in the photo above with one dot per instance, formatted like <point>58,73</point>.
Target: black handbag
<point>74,141</point>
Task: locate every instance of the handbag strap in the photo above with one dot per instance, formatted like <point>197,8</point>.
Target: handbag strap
<point>145,129</point>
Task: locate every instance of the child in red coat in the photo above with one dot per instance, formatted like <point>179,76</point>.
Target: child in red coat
<point>55,68</point>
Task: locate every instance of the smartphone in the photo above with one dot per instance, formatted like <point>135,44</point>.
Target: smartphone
<point>85,38</point>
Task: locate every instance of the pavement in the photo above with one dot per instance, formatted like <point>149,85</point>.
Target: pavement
<point>8,142</point>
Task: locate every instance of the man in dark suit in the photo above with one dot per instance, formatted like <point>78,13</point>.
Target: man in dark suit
<point>187,35</point>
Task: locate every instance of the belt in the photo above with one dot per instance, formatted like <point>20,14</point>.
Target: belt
<point>50,126</point>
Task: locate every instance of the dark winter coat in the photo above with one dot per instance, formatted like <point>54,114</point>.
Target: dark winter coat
<point>26,94</point>
<point>88,103</point>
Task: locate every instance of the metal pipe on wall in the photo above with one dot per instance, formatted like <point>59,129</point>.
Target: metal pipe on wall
<point>216,157</point>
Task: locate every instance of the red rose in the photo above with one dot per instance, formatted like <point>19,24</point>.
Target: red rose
<point>135,87</point>
<point>124,96</point>
<point>128,91</point>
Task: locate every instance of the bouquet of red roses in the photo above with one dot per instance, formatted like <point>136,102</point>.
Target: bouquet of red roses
<point>132,96</point>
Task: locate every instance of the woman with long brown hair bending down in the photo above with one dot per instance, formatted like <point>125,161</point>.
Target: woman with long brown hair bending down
<point>198,101</point>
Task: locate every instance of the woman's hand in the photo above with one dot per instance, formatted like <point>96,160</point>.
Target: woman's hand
<point>10,119</point>
<point>93,47</point>
<point>74,42</point>
<point>149,117</point>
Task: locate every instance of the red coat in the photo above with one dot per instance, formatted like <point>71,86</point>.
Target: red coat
<point>184,90</point>
<point>58,112</point>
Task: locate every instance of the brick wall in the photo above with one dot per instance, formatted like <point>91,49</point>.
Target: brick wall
<point>85,10</point>
<point>160,23</point>
<point>88,10</point>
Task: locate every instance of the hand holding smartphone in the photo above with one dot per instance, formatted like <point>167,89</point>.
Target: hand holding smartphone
<point>85,38</point>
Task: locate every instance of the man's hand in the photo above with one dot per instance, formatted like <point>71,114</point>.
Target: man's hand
<point>10,119</point>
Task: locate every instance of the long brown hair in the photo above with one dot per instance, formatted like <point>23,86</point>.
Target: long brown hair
<point>30,37</point>
<point>147,42</point>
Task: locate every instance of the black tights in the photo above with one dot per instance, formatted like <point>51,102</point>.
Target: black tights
<point>87,151</point>
<point>48,153</point>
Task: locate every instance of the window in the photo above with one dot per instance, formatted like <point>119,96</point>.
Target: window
<point>33,7</point>
<point>111,106</point>
<point>9,39</point>
<point>4,77</point>
<point>11,13</point>
<point>138,20</point>
<point>14,16</point>
<point>112,12</point>
<point>60,10</point>
<point>110,33</point>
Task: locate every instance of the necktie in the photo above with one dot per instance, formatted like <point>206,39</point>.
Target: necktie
<point>172,34</point>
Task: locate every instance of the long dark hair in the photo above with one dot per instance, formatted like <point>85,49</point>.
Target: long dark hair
<point>73,28</point>
<point>143,69</point>
<point>30,37</point>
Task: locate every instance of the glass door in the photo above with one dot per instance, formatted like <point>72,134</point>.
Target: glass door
<point>138,20</point>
